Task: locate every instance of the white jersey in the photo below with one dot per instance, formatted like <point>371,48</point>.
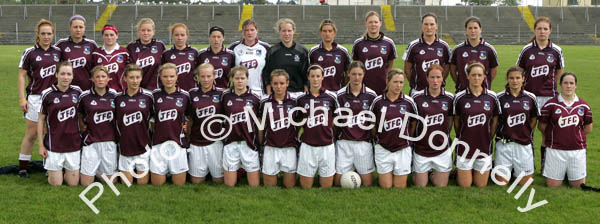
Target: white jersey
<point>254,58</point>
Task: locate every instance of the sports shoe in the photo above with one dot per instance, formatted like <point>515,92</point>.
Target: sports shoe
<point>23,174</point>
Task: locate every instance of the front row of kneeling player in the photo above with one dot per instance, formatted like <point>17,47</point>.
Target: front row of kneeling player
<point>184,130</point>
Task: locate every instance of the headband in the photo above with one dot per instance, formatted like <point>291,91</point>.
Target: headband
<point>110,28</point>
<point>76,17</point>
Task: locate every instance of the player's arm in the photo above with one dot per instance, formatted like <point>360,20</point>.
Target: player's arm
<point>494,125</point>
<point>445,72</point>
<point>453,74</point>
<point>389,66</point>
<point>557,74</point>
<point>408,70</point>
<point>412,127</point>
<point>450,118</point>
<point>542,127</point>
<point>82,126</point>
<point>40,133</point>
<point>187,126</point>
<point>533,122</point>
<point>22,81</point>
<point>493,73</point>
<point>456,124</point>
<point>587,128</point>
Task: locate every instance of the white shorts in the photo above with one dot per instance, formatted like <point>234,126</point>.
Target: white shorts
<point>205,159</point>
<point>515,157</point>
<point>398,162</point>
<point>440,163</point>
<point>354,154</point>
<point>561,162</point>
<point>541,100</point>
<point>168,157</point>
<point>238,154</point>
<point>313,158</point>
<point>276,160</point>
<point>140,162</point>
<point>56,161</point>
<point>99,158</point>
<point>34,104</point>
<point>481,165</point>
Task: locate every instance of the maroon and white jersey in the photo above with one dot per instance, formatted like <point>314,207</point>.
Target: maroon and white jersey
<point>540,67</point>
<point>280,133</point>
<point>316,133</point>
<point>421,56</point>
<point>391,116</point>
<point>148,57</point>
<point>98,115</point>
<point>169,116</point>
<point>62,122</point>
<point>464,53</point>
<point>186,61</point>
<point>334,63</point>
<point>115,62</point>
<point>362,102</point>
<point>133,118</point>
<point>438,112</point>
<point>375,54</point>
<point>513,123</point>
<point>203,105</point>
<point>80,56</point>
<point>565,123</point>
<point>41,66</point>
<point>475,113</point>
<point>233,107</point>
<point>222,61</point>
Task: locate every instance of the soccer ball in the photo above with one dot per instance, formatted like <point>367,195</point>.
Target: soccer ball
<point>350,180</point>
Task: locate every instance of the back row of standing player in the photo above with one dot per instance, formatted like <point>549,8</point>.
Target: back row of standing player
<point>541,59</point>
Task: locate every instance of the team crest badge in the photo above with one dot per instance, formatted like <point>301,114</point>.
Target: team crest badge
<point>159,100</point>
<point>206,61</point>
<point>365,50</point>
<point>93,103</point>
<point>526,105</point>
<point>296,58</point>
<point>320,58</point>
<point>142,103</point>
<point>229,103</point>
<point>173,57</point>
<point>467,105</point>
<point>465,54</point>
<point>196,99</point>
<point>122,104</point>
<point>74,98</point>
<point>38,58</point>
<point>56,59</point>
<point>347,104</point>
<point>365,105</point>
<point>119,59</point>
<point>249,104</point>
<point>425,104</point>
<point>56,100</point>
<point>326,104</point>
<point>191,56</point>
<point>225,62</point>
<point>580,111</point>
<point>506,105</point>
<point>112,103</point>
<point>486,105</point>
<point>440,52</point>
<point>86,50</point>
<point>532,57</point>
<point>383,50</point>
<point>402,108</point>
<point>444,106</point>
<point>422,52</point>
<point>482,55</point>
<point>137,50</point>
<point>338,59</point>
<point>557,111</point>
<point>215,99</point>
<point>68,49</point>
<point>550,58</point>
<point>179,102</point>
<point>154,50</point>
<point>258,52</point>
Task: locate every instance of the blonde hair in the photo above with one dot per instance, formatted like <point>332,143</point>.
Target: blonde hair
<point>280,72</point>
<point>372,13</point>
<point>327,22</point>
<point>132,68</point>
<point>166,66</point>
<point>394,72</point>
<point>99,68</point>
<point>283,21</point>
<point>204,66</point>
<point>237,69</point>
<point>42,22</point>
<point>172,28</point>
<point>145,21</point>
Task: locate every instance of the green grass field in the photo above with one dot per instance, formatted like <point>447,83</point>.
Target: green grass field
<point>34,201</point>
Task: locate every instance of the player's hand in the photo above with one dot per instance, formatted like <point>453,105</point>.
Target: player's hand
<point>43,152</point>
<point>185,124</point>
<point>23,106</point>
<point>269,90</point>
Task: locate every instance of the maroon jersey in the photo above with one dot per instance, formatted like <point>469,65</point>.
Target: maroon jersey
<point>476,113</point>
<point>280,133</point>
<point>186,62</point>
<point>233,107</point>
<point>80,56</point>
<point>133,118</point>
<point>375,54</point>
<point>421,56</point>
<point>316,133</point>
<point>41,66</point>
<point>438,112</point>
<point>222,61</point>
<point>169,116</point>
<point>115,62</point>
<point>334,63</point>
<point>148,57</point>
<point>359,103</point>
<point>98,115</point>
<point>62,122</point>
<point>540,67</point>
<point>464,53</point>
<point>565,123</point>
<point>517,111</point>
<point>390,118</point>
<point>203,105</point>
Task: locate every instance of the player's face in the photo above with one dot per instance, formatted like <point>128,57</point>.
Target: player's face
<point>64,76</point>
<point>110,37</point>
<point>286,32</point>
<point>315,77</point>
<point>515,80</point>
<point>396,84</point>
<point>473,31</point>
<point>180,36</point>
<point>216,39</point>
<point>476,76</point>
<point>542,31</point>
<point>328,33</point>
<point>429,26</point>
<point>206,78</point>
<point>373,24</point>
<point>77,28</point>
<point>240,80</point>
<point>100,79</point>
<point>45,35</point>
<point>168,77</point>
<point>145,32</point>
<point>356,76</point>
<point>568,85</point>
<point>250,32</point>
<point>435,79</point>
<point>133,79</point>
<point>279,85</point>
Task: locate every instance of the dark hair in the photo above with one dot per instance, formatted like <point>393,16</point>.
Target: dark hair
<point>539,20</point>
<point>567,74</point>
<point>326,22</point>
<point>473,19</point>
<point>216,28</point>
<point>132,67</point>
<point>515,68</point>
<point>393,72</point>
<point>39,24</point>
<point>357,64</point>
<point>434,67</point>
<point>429,14</point>
<point>249,22</point>
<point>474,64</point>
<point>67,63</point>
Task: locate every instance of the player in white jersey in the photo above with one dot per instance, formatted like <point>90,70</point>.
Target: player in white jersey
<point>251,53</point>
